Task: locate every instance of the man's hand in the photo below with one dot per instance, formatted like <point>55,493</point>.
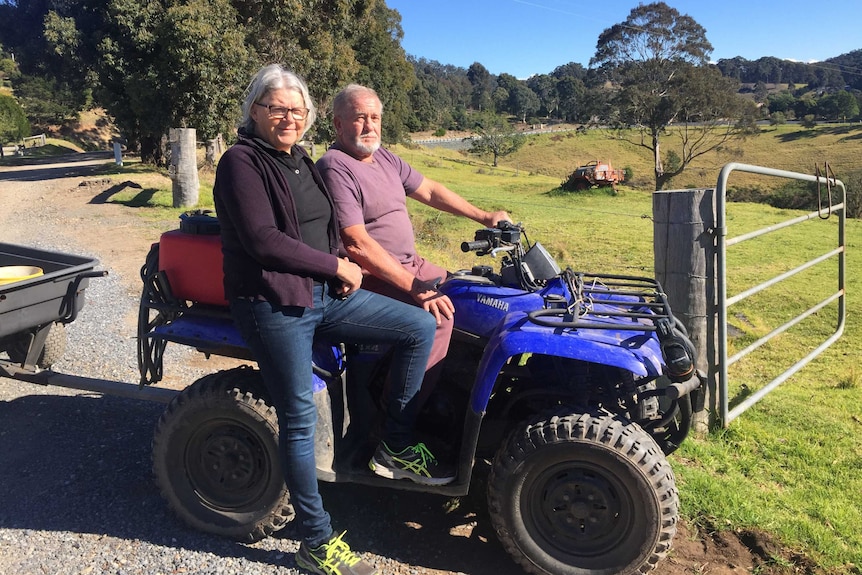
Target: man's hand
<point>431,300</point>
<point>350,275</point>
<point>491,219</point>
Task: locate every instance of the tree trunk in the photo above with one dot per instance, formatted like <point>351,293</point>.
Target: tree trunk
<point>148,150</point>
<point>659,168</point>
<point>210,156</point>
<point>184,167</point>
<point>214,150</point>
<point>151,150</point>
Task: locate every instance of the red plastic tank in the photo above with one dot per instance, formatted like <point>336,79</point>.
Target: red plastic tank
<point>192,260</point>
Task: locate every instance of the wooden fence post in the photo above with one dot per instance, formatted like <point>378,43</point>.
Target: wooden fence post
<point>184,167</point>
<point>685,251</point>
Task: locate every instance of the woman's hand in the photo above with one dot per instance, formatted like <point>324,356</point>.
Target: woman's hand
<point>350,276</point>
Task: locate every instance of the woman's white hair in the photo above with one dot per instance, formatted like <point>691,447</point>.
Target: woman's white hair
<point>275,77</point>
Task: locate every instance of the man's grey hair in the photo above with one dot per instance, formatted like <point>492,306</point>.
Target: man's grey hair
<point>348,94</point>
<point>275,77</point>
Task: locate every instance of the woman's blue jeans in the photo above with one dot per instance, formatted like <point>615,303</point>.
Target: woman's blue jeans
<point>281,340</point>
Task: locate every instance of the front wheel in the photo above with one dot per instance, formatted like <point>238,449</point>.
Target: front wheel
<point>583,494</point>
<point>215,458</point>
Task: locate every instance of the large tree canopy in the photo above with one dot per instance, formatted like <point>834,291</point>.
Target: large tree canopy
<point>657,61</point>
<point>157,64</point>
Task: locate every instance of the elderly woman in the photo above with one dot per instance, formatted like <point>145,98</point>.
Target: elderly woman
<point>286,284</point>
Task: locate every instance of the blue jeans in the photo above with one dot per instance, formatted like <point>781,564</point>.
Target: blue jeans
<point>281,339</point>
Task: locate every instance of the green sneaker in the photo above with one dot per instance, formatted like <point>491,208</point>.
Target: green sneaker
<point>414,462</point>
<point>332,558</point>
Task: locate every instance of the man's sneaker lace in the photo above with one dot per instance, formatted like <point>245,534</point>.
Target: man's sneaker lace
<point>414,462</point>
<point>333,558</point>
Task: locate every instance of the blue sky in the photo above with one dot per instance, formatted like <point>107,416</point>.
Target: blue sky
<point>526,37</point>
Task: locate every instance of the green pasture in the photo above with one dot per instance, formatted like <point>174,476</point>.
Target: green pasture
<point>791,465</point>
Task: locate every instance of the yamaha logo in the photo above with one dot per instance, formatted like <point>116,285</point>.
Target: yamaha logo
<point>492,302</point>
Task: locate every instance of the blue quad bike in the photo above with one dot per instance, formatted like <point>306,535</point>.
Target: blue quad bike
<point>562,394</point>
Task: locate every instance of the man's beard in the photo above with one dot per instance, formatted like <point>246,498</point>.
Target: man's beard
<point>367,148</point>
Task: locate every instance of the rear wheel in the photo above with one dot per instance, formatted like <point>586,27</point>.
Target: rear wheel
<point>583,494</point>
<point>52,352</point>
<point>215,458</point>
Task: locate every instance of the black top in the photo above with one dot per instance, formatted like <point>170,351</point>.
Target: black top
<point>312,207</point>
<point>265,216</point>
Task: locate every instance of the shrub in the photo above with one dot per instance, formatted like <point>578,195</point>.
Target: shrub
<point>777,118</point>
<point>439,132</point>
<point>853,183</point>
<point>797,195</point>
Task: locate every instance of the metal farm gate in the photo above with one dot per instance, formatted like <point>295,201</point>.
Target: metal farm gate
<point>827,187</point>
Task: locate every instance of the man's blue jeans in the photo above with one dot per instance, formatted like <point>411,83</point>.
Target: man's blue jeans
<point>281,340</point>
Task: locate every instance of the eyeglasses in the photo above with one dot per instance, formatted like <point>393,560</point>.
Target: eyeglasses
<point>280,112</point>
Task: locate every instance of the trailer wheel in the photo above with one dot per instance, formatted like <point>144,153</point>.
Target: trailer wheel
<point>583,494</point>
<point>215,457</point>
<point>52,352</point>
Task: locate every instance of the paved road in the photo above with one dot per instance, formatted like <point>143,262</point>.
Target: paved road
<point>38,169</point>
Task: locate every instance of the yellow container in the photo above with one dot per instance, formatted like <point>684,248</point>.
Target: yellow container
<point>12,274</point>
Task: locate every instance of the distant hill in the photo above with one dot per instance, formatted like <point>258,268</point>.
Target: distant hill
<point>837,72</point>
<point>850,65</point>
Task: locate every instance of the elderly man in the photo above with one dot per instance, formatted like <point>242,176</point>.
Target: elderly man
<point>370,185</point>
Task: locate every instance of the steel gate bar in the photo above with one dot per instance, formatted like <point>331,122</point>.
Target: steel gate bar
<point>727,415</point>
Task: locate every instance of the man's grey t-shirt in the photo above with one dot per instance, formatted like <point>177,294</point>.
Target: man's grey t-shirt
<point>374,194</point>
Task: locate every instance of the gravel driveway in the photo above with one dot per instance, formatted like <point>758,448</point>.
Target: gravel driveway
<point>76,490</point>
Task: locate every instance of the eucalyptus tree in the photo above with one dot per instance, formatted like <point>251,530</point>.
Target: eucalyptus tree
<point>841,106</point>
<point>13,123</point>
<point>383,65</point>
<point>658,63</point>
<point>332,43</point>
<point>494,136</point>
<point>165,64</point>
<point>47,81</point>
<point>483,86</point>
<point>439,93</point>
<point>571,92</point>
<point>545,88</point>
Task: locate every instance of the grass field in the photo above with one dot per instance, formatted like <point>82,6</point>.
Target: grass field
<point>789,466</point>
<point>787,147</point>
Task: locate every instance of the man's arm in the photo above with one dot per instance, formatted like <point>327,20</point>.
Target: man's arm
<point>438,196</point>
<point>369,254</point>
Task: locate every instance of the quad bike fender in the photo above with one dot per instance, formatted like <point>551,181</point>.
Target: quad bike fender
<point>634,351</point>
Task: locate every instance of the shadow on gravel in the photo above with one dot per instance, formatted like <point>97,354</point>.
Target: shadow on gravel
<point>82,464</point>
<point>416,528</point>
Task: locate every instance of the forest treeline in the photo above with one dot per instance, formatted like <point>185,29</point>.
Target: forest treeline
<point>442,93</point>
<point>167,63</point>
